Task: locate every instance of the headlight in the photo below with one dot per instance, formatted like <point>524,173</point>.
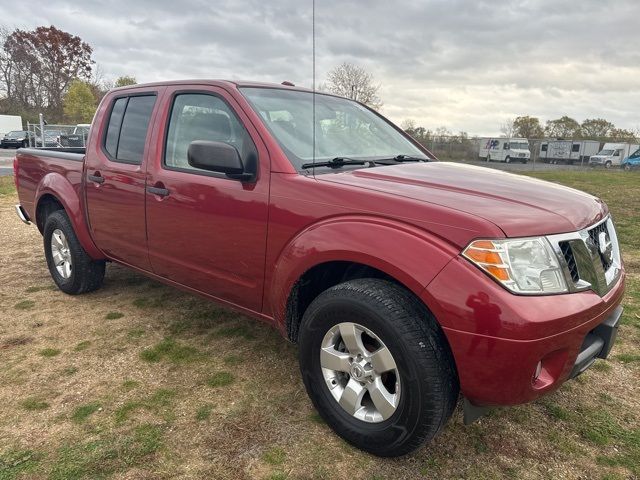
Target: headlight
<point>522,265</point>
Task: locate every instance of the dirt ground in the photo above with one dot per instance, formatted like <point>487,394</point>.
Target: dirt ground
<point>139,380</point>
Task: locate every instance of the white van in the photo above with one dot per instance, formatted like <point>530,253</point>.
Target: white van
<point>504,150</point>
<point>568,151</point>
<point>613,154</point>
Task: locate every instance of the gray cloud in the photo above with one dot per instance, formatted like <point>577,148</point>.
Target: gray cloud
<point>464,64</point>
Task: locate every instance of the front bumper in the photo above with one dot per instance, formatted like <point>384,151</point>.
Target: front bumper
<point>11,143</point>
<point>597,343</point>
<point>499,340</point>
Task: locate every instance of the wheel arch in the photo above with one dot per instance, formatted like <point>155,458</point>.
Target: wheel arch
<point>350,248</point>
<point>54,193</point>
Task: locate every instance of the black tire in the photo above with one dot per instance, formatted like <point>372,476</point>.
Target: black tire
<point>86,274</point>
<point>507,160</point>
<point>428,379</point>
<point>608,164</point>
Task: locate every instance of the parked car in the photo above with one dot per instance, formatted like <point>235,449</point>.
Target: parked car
<point>403,280</point>
<point>504,150</point>
<point>612,154</point>
<point>568,151</point>
<point>52,138</point>
<point>16,139</point>
<point>77,138</point>
<point>632,161</point>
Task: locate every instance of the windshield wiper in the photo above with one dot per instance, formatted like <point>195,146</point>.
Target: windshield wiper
<point>337,162</point>
<point>408,158</point>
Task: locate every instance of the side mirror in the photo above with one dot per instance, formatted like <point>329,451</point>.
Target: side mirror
<point>218,157</point>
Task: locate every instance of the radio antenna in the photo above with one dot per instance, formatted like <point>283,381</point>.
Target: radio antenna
<point>313,81</point>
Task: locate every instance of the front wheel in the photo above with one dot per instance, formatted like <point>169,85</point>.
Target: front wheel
<point>377,366</point>
<point>72,270</point>
<point>608,164</point>
<point>507,160</point>
<point>627,166</point>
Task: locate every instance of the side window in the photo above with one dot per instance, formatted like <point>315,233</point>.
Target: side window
<point>113,130</point>
<point>199,116</point>
<point>127,129</point>
<point>616,153</point>
<point>575,147</point>
<point>544,147</point>
<point>506,146</point>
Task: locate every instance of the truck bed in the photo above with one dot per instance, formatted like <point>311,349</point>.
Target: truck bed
<point>62,165</point>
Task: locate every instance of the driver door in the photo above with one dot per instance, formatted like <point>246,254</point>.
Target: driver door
<point>207,231</point>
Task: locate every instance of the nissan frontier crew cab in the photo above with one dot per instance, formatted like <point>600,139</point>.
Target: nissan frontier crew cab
<point>405,281</point>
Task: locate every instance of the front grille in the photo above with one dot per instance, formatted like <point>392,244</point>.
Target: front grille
<point>594,234</point>
<point>567,253</point>
<point>590,258</point>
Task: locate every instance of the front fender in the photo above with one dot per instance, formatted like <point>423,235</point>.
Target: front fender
<point>68,196</point>
<point>411,256</point>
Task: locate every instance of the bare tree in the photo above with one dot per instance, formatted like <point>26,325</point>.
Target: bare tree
<point>354,82</point>
<point>507,127</point>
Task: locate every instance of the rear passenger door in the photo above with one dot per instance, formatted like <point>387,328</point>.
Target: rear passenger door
<point>205,230</point>
<point>115,178</point>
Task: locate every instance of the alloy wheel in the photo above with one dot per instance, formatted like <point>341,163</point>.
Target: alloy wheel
<point>61,253</point>
<point>360,372</point>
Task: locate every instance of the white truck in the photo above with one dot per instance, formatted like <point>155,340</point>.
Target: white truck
<point>10,123</point>
<point>568,151</point>
<point>504,149</point>
<point>613,154</point>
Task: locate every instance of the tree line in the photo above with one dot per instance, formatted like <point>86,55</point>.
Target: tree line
<point>568,128</point>
<point>50,71</point>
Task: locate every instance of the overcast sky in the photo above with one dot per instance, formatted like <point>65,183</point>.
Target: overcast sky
<point>466,65</point>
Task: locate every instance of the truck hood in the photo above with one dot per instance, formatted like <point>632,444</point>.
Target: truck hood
<point>518,205</point>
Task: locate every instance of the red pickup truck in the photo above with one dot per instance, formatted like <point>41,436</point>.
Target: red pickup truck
<point>405,281</point>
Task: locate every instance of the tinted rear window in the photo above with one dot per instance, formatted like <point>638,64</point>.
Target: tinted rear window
<point>127,129</point>
<point>133,132</point>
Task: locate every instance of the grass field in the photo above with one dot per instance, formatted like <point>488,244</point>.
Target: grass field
<point>138,380</point>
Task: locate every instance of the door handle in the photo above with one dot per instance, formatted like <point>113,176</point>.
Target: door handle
<point>161,192</point>
<point>97,178</point>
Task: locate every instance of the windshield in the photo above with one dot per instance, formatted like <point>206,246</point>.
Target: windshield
<point>344,128</point>
<point>16,133</point>
<point>519,146</point>
<point>606,153</point>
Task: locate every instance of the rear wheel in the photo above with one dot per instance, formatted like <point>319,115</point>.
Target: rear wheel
<point>72,270</point>
<point>376,366</point>
<point>627,166</point>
